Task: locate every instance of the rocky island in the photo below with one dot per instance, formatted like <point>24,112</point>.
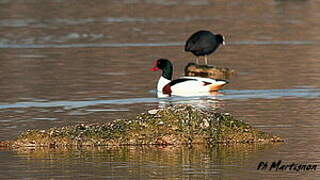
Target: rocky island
<point>173,126</point>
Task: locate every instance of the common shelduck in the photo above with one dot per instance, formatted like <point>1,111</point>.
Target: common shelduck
<point>185,86</point>
<point>203,43</point>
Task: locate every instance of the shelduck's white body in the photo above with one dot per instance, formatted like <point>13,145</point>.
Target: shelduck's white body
<point>161,83</point>
<point>185,86</point>
<point>194,86</point>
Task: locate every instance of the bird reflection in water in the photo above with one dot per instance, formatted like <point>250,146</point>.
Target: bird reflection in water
<point>208,101</point>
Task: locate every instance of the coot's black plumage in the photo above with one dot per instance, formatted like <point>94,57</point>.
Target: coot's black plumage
<point>203,43</point>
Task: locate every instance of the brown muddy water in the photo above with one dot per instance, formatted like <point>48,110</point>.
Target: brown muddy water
<point>64,62</point>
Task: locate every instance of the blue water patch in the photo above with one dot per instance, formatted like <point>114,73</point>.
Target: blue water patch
<point>88,45</point>
<point>224,95</point>
<point>274,43</point>
<point>76,104</point>
<point>271,93</point>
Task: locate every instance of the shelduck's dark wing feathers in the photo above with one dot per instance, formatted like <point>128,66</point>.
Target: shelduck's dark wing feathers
<point>176,81</point>
<point>205,81</point>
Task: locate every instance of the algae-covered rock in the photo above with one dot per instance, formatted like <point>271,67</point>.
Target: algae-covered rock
<point>208,71</point>
<point>178,125</point>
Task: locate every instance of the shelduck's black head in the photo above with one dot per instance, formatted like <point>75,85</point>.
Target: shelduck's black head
<point>166,66</point>
<point>220,39</point>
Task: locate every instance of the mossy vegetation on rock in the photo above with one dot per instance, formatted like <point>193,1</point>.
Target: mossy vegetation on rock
<point>208,71</point>
<point>178,125</point>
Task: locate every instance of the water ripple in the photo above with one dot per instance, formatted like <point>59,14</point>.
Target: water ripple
<point>155,44</point>
<point>227,95</point>
<point>71,21</point>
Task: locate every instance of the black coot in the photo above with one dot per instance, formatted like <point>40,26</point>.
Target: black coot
<point>203,43</point>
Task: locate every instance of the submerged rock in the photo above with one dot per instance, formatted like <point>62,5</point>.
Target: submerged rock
<point>178,125</point>
<point>208,71</point>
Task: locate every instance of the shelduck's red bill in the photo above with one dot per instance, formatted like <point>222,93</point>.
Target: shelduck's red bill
<point>154,69</point>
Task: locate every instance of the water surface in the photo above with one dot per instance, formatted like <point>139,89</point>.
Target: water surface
<point>69,62</point>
